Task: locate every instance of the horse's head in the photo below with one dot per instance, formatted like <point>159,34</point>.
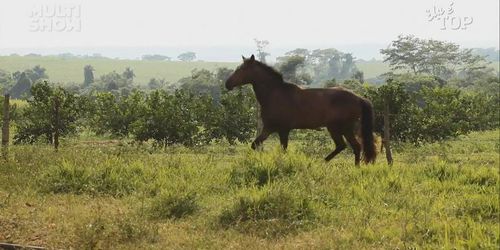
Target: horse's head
<point>243,74</point>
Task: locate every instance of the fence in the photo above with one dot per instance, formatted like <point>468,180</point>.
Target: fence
<point>56,128</point>
<point>6,126</point>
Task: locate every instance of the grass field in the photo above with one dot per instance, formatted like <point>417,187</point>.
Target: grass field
<point>71,70</point>
<point>373,69</point>
<point>105,194</point>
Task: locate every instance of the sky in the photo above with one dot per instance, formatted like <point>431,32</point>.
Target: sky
<point>117,26</point>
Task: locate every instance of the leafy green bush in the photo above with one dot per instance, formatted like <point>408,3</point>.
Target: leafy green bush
<point>183,118</point>
<point>425,109</point>
<point>115,114</point>
<point>232,118</point>
<point>168,119</point>
<point>38,120</point>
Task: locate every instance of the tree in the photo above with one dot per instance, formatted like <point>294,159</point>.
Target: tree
<point>491,54</point>
<point>201,82</point>
<point>292,69</point>
<point>299,52</point>
<point>187,56</point>
<point>38,73</point>
<point>157,83</point>
<point>222,74</point>
<point>35,74</point>
<point>6,81</point>
<point>114,82</point>
<point>88,75</point>
<point>261,46</point>
<point>353,85</point>
<point>38,121</point>
<point>22,87</point>
<point>128,74</point>
<point>438,58</point>
<point>236,117</point>
<point>115,114</point>
<point>330,63</point>
<point>168,119</point>
<point>359,75</point>
<point>402,109</point>
<point>424,109</point>
<point>155,57</point>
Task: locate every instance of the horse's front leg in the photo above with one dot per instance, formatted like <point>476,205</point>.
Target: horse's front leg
<point>284,138</point>
<point>262,137</point>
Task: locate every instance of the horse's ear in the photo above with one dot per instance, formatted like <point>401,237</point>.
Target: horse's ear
<point>243,57</point>
<point>252,58</point>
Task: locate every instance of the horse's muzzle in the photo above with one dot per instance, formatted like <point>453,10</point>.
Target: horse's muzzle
<point>229,86</point>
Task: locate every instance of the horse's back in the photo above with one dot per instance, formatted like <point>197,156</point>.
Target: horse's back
<point>317,107</point>
<point>337,103</point>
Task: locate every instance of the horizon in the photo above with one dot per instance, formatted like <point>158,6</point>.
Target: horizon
<point>128,30</point>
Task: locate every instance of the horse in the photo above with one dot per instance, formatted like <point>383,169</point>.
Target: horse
<point>285,106</point>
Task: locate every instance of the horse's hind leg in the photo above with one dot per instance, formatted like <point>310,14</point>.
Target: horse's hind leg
<point>355,145</point>
<point>284,138</point>
<point>262,137</point>
<point>339,142</point>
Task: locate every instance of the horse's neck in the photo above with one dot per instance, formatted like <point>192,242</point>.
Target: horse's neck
<point>263,91</point>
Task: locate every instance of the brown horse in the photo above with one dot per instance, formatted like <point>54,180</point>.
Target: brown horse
<point>285,106</point>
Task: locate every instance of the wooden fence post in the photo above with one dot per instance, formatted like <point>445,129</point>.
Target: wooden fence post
<point>6,126</point>
<point>260,125</point>
<point>387,134</point>
<point>57,117</point>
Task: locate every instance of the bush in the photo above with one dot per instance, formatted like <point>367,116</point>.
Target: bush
<point>38,120</point>
<point>115,115</point>
<point>168,119</point>
<point>269,212</point>
<point>424,109</point>
<point>233,118</point>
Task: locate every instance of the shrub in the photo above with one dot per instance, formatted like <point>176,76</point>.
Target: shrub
<point>168,119</point>
<point>38,120</point>
<point>115,115</point>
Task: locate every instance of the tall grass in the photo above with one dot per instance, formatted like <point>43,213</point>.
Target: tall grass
<point>442,195</point>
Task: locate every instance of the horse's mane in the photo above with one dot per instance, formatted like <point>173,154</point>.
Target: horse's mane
<point>274,73</point>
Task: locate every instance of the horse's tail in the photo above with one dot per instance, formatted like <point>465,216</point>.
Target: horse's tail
<point>369,151</point>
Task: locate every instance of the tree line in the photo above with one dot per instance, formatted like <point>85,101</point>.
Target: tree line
<point>422,109</point>
<point>451,92</point>
<point>166,118</point>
